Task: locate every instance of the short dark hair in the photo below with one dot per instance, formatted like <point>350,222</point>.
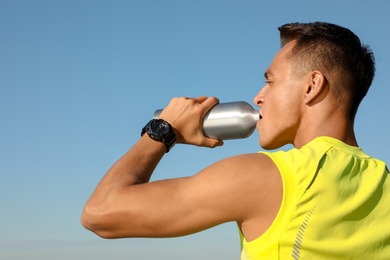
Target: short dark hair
<point>348,64</point>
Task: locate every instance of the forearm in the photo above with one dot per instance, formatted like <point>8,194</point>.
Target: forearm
<point>134,167</point>
<point>137,165</point>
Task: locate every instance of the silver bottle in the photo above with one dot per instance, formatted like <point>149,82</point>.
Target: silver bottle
<point>231,120</point>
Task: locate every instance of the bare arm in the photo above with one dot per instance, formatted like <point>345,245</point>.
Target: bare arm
<point>124,204</point>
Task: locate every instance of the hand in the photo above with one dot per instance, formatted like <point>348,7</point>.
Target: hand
<point>186,117</point>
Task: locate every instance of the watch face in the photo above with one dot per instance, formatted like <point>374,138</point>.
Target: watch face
<point>160,128</point>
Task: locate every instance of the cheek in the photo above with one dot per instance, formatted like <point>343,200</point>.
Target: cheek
<point>284,111</point>
<point>281,105</point>
<point>291,113</point>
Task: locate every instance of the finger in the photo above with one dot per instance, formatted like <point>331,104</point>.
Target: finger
<point>201,99</point>
<point>210,102</point>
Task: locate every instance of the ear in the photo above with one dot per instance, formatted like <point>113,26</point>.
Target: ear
<point>316,87</point>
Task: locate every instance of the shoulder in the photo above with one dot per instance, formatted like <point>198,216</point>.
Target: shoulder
<point>243,167</point>
<point>295,159</point>
<point>248,188</point>
<point>245,176</point>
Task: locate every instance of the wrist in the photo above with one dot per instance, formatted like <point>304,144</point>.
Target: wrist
<point>161,131</point>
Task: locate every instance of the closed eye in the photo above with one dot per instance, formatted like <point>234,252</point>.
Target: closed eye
<point>267,75</point>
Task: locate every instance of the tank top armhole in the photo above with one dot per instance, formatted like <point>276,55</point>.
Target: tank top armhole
<point>269,240</point>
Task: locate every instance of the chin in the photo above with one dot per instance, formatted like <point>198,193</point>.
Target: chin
<point>269,147</point>
<point>266,145</point>
<point>270,144</point>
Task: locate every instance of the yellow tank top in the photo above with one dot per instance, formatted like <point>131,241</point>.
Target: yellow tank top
<point>336,205</point>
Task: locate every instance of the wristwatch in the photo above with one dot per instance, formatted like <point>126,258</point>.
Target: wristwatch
<point>161,131</point>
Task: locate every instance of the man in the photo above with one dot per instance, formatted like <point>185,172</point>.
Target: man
<point>324,199</point>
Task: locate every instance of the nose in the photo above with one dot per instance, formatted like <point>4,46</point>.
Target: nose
<point>259,98</point>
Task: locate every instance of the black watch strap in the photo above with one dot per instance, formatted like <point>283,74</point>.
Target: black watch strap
<point>161,131</point>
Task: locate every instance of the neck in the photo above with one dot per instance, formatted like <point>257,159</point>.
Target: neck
<point>331,124</point>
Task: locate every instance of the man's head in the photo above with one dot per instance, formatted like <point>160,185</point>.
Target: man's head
<point>348,66</point>
<point>315,81</point>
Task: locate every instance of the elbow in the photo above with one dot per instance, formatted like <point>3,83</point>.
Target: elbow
<point>96,220</point>
<point>89,219</point>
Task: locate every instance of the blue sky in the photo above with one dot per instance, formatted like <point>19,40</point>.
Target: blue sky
<point>79,79</point>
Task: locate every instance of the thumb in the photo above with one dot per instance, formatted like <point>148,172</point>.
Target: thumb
<point>212,143</point>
